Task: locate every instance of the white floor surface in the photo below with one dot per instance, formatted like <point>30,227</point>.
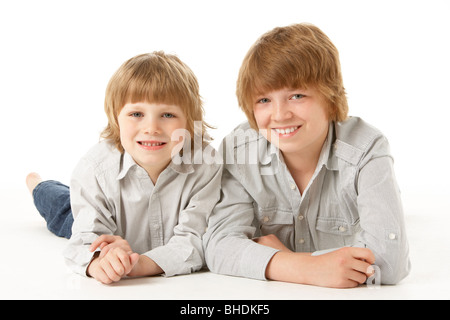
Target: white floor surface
<point>32,266</point>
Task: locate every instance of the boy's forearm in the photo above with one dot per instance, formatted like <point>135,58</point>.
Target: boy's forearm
<point>289,267</point>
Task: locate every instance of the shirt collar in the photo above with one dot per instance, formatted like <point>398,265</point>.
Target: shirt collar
<point>268,152</point>
<point>128,163</point>
<point>327,157</point>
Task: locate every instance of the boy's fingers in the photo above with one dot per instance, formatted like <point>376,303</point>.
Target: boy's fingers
<point>362,267</point>
<point>103,238</point>
<point>125,262</point>
<point>370,271</point>
<point>104,251</point>
<point>96,243</point>
<point>121,262</point>
<point>101,276</point>
<point>119,267</point>
<point>364,254</point>
<point>108,266</point>
<point>363,263</point>
<point>103,244</point>
<point>134,258</point>
<point>358,277</point>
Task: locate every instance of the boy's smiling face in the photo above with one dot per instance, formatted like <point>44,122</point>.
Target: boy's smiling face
<point>146,131</point>
<point>295,120</point>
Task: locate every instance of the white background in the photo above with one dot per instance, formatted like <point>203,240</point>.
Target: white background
<point>56,58</point>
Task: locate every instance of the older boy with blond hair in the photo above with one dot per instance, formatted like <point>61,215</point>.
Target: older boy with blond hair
<point>324,210</point>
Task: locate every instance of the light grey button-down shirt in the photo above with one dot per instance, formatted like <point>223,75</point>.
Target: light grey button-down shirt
<point>351,200</point>
<point>111,194</point>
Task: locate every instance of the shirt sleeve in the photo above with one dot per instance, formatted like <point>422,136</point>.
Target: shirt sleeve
<point>382,218</point>
<point>183,254</point>
<point>228,246</point>
<point>92,216</point>
<point>381,214</point>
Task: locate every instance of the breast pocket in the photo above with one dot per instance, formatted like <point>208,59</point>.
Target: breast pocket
<point>336,225</point>
<point>278,222</point>
<point>335,232</point>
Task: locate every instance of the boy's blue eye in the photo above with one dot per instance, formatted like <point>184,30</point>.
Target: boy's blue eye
<point>297,96</point>
<point>168,115</point>
<point>263,100</point>
<point>136,114</point>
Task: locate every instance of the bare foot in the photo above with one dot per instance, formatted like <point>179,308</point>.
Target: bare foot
<point>32,180</point>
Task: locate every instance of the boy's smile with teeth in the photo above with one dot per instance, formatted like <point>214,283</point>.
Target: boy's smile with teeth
<point>286,130</point>
<point>151,144</point>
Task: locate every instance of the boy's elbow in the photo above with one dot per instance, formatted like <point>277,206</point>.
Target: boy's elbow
<point>209,249</point>
<point>395,276</point>
<point>395,269</point>
<point>213,262</point>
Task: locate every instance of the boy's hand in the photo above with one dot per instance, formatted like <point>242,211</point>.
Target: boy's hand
<point>343,268</point>
<point>107,242</point>
<point>115,265</point>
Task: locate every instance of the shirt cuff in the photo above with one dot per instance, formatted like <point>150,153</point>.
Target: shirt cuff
<point>175,260</point>
<point>321,252</point>
<point>255,259</point>
<point>79,260</point>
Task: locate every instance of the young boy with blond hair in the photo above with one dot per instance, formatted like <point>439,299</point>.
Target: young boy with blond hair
<point>131,210</point>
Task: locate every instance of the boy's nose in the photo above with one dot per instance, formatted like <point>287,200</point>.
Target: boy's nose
<point>281,111</point>
<point>151,127</point>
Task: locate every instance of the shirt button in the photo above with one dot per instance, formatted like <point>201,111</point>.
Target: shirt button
<point>266,219</point>
<point>342,229</point>
<point>301,241</point>
<point>300,217</point>
<point>392,236</point>
<point>293,186</point>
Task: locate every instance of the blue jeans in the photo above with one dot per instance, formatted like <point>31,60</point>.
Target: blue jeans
<point>52,200</point>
